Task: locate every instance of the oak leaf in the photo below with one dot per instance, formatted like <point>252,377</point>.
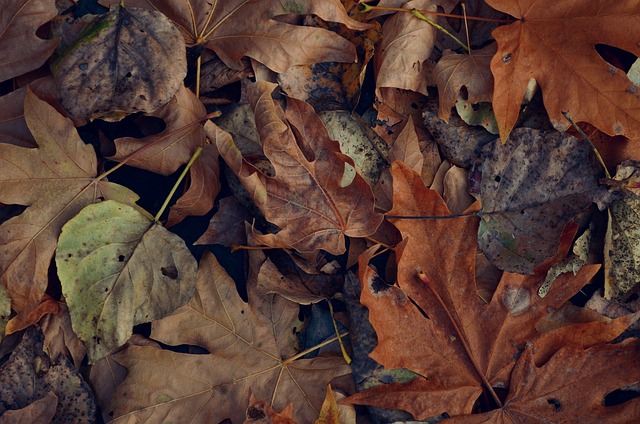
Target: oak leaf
<point>315,197</point>
<point>244,357</point>
<point>464,345</point>
<point>55,180</point>
<point>234,29</point>
<point>554,43</point>
<point>21,49</point>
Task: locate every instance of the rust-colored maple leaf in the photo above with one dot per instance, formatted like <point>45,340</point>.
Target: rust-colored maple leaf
<point>465,346</point>
<point>554,42</point>
<point>312,197</point>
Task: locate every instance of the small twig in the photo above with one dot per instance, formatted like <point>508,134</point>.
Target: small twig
<point>420,16</point>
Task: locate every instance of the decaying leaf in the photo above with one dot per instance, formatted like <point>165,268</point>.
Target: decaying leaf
<point>119,269</point>
<point>531,187</point>
<point>234,29</point>
<point>464,346</point>
<point>471,71</point>
<point>55,180</point>
<point>313,197</point>
<point>21,49</point>
<point>127,60</point>
<point>571,74</point>
<point>29,375</point>
<point>622,242</point>
<point>5,310</point>
<point>243,357</point>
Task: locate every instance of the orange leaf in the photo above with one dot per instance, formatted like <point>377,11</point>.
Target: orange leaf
<point>554,42</point>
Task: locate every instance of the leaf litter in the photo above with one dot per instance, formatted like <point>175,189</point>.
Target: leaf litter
<point>484,345</point>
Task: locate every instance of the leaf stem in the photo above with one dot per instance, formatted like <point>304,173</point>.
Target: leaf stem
<point>345,355</point>
<point>462,215</point>
<point>311,349</point>
<point>195,156</point>
<point>420,16</point>
<point>593,147</point>
<point>368,8</point>
<point>425,279</point>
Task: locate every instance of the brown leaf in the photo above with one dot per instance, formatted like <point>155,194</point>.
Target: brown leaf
<point>55,180</point>
<point>237,28</point>
<point>226,227</point>
<point>464,345</point>
<point>306,198</point>
<point>163,385</point>
<point>59,338</point>
<point>20,48</point>
<point>471,71</point>
<point>260,412</point>
<point>571,74</point>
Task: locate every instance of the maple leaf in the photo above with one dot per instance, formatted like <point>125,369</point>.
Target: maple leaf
<point>237,28</point>
<point>55,180</point>
<point>21,49</point>
<point>307,197</point>
<point>554,43</point>
<point>245,356</point>
<point>464,345</point>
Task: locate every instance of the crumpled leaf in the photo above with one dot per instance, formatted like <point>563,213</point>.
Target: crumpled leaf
<point>471,71</point>
<point>127,60</point>
<point>312,198</point>
<point>55,180</point>
<point>531,188</point>
<point>260,412</point>
<point>622,241</point>
<point>5,310</point>
<point>237,28</point>
<point>21,49</point>
<point>119,269</point>
<point>492,343</point>
<point>30,375</point>
<point>405,47</point>
<point>244,356</point>
<point>572,75</point>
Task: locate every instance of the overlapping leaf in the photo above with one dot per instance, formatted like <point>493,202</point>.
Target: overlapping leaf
<point>55,181</point>
<point>237,28</point>
<point>465,346</point>
<point>308,197</point>
<point>555,44</point>
<point>244,357</point>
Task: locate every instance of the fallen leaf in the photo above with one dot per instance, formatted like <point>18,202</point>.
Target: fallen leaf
<point>162,385</point>
<point>405,47</point>
<point>59,338</point>
<point>464,346</point>
<point>308,198</point>
<point>234,29</point>
<point>531,188</point>
<point>118,269</point>
<point>260,412</point>
<point>30,375</point>
<point>21,49</point>
<point>55,180</point>
<point>48,305</point>
<point>127,60</point>
<point>41,411</point>
<point>226,227</point>
<point>621,249</point>
<point>471,71</point>
<point>5,311</point>
<point>573,77</point>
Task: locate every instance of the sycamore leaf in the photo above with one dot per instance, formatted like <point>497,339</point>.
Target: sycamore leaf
<point>312,197</point>
<point>163,386</point>
<point>30,375</point>
<point>118,269</point>
<point>463,345</point>
<point>55,180</point>
<point>237,28</point>
<point>405,47</point>
<point>554,43</point>
<point>21,49</point>
<point>471,71</point>
<point>127,60</point>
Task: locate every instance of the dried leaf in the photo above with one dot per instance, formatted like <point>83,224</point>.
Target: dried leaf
<point>119,269</point>
<point>571,74</point>
<point>59,338</point>
<point>127,60</point>
<point>163,385</point>
<point>226,227</point>
<point>260,412</point>
<point>531,188</point>
<point>21,49</point>
<point>55,180</point>
<point>312,198</point>
<point>237,28</point>
<point>463,345</point>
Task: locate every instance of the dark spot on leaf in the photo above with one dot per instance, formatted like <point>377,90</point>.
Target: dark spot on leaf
<point>170,272</point>
<point>556,404</point>
<point>121,258</point>
<point>378,284</point>
<point>242,311</point>
<point>83,66</point>
<point>506,58</point>
<point>128,75</point>
<point>497,178</point>
<point>254,414</point>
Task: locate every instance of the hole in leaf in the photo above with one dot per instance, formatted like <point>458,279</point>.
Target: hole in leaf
<point>556,404</point>
<point>619,58</point>
<point>497,178</point>
<point>121,258</point>
<point>620,396</point>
